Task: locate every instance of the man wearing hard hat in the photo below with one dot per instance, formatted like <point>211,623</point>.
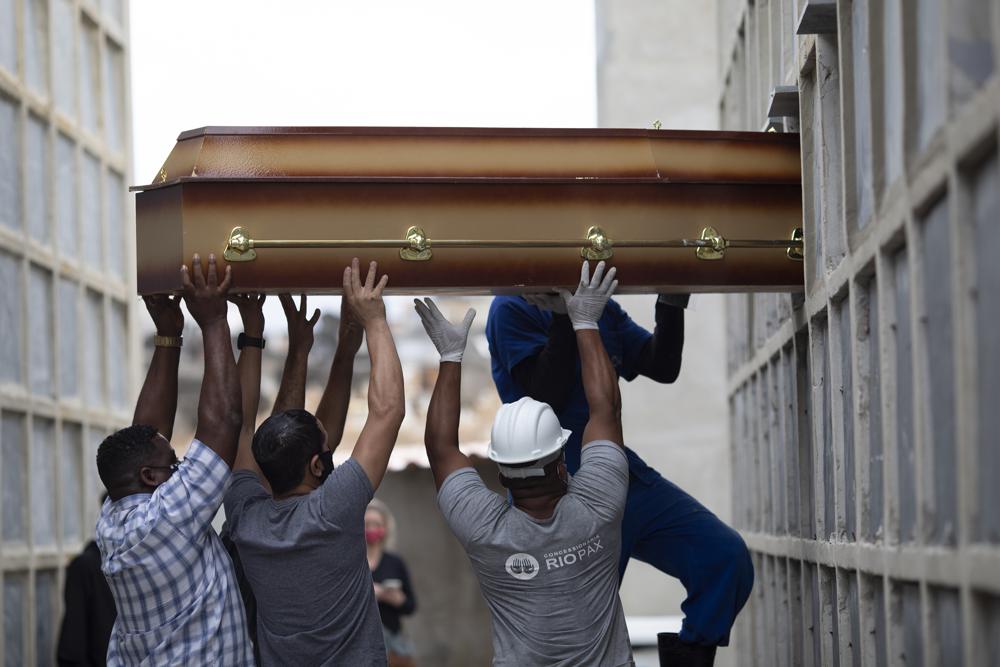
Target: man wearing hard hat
<point>533,353</point>
<point>548,564</point>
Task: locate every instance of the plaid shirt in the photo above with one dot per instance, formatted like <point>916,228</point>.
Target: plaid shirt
<point>173,583</point>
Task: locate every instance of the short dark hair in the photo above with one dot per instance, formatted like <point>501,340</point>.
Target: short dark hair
<point>123,452</point>
<point>283,446</point>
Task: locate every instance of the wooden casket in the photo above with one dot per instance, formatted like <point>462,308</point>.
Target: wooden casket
<point>461,210</point>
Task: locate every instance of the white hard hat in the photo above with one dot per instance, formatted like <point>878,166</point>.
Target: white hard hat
<point>526,431</point>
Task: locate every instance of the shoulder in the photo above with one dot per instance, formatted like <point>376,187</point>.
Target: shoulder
<point>506,308</point>
<point>244,482</point>
<point>244,491</point>
<point>508,303</point>
<point>464,493</point>
<point>346,492</point>
<point>604,450</point>
<point>350,475</point>
<point>199,452</point>
<point>460,479</point>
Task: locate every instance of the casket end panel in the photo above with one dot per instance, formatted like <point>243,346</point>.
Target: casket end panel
<point>159,240</point>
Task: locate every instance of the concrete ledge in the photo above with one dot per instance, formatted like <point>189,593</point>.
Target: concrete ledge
<point>818,17</point>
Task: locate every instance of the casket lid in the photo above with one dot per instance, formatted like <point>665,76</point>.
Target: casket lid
<point>423,154</point>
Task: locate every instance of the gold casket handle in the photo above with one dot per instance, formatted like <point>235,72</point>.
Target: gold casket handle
<point>416,247</point>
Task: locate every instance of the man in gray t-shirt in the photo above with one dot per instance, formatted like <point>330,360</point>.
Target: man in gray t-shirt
<point>305,556</point>
<point>548,564</point>
<point>302,544</point>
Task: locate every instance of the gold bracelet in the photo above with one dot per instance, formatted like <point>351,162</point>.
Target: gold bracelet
<point>168,341</point>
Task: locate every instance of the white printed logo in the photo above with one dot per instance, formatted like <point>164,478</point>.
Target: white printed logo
<point>522,566</point>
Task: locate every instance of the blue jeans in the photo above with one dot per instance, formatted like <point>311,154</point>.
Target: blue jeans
<point>673,532</point>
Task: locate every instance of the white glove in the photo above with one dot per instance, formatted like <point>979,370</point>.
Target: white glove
<point>449,339</point>
<point>552,302</point>
<point>586,306</point>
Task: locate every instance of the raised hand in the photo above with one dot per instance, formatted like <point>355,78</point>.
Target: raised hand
<point>300,329</point>
<point>587,304</point>
<point>552,302</point>
<point>251,307</point>
<point>351,332</point>
<point>449,339</point>
<point>205,296</point>
<point>166,313</point>
<point>365,299</point>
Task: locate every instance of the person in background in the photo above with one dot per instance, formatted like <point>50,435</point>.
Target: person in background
<point>302,544</point>
<point>89,611</point>
<point>392,585</point>
<point>173,583</point>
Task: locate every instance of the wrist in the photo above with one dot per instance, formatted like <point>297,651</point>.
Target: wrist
<point>675,300</point>
<point>175,342</point>
<point>585,325</point>
<point>254,329</point>
<point>169,332</point>
<point>214,323</point>
<point>249,340</point>
<point>345,352</point>
<point>375,324</point>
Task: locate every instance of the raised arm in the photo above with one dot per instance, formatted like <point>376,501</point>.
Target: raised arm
<point>385,387</point>
<point>441,432</point>
<point>332,408</point>
<point>600,381</point>
<point>660,359</point>
<point>252,313</point>
<point>292,390</point>
<point>157,404</point>
<point>220,410</point>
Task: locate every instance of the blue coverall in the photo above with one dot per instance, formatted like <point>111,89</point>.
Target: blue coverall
<point>663,525</point>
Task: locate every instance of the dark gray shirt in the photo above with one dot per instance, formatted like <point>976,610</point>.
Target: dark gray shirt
<point>306,560</point>
<point>552,585</point>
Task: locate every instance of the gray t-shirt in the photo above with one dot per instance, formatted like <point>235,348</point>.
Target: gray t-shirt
<point>306,560</point>
<point>552,585</point>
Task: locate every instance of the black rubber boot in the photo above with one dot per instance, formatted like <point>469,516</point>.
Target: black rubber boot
<point>675,653</point>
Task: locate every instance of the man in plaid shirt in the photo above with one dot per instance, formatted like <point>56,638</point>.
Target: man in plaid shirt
<point>171,577</point>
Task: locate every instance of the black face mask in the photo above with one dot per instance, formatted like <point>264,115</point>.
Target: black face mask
<point>326,458</point>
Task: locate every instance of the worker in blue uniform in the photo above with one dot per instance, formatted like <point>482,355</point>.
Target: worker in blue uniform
<point>533,352</point>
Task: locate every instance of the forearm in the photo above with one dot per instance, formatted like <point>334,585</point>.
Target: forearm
<point>600,385</point>
<point>332,408</point>
<point>543,377</point>
<point>660,359</point>
<point>292,390</point>
<point>385,388</point>
<point>385,404</point>
<point>441,432</point>
<point>220,407</point>
<point>248,369</point>
<point>600,382</point>
<point>157,402</point>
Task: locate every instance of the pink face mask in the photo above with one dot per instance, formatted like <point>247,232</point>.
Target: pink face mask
<point>374,535</point>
